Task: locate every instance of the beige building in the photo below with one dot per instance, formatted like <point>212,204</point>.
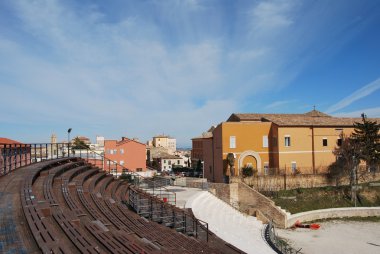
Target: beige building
<point>274,143</point>
<point>166,142</point>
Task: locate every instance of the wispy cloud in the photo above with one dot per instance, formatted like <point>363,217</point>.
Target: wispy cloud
<point>357,95</point>
<point>278,104</point>
<point>139,68</point>
<point>270,15</point>
<point>370,112</point>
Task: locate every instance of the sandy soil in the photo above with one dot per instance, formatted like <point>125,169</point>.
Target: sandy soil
<point>336,237</point>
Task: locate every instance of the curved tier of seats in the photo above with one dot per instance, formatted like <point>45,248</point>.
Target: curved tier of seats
<point>72,207</point>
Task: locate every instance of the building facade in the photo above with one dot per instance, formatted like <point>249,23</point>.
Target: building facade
<point>166,163</point>
<point>197,152</point>
<point>126,153</point>
<point>274,143</point>
<point>166,142</point>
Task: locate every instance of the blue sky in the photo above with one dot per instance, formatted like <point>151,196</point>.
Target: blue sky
<point>147,67</point>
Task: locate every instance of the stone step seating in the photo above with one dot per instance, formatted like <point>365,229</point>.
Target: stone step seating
<point>36,212</point>
<point>68,223</point>
<point>83,209</point>
<point>142,228</point>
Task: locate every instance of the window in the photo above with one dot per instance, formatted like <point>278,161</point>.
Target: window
<point>164,161</point>
<point>339,142</point>
<point>232,142</point>
<point>124,171</point>
<point>113,171</point>
<point>266,168</point>
<point>169,162</point>
<point>121,151</point>
<point>164,167</point>
<point>115,151</point>
<point>287,140</point>
<point>210,169</point>
<point>178,162</point>
<point>324,141</point>
<point>265,141</point>
<point>121,163</point>
<point>294,167</point>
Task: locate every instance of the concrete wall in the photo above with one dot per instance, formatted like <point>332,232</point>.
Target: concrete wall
<point>288,182</point>
<point>332,213</point>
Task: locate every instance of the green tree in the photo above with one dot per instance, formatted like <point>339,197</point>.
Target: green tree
<point>248,171</point>
<point>79,144</point>
<point>366,136</point>
<point>346,161</point>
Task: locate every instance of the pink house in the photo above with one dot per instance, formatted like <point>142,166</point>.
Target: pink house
<point>127,153</point>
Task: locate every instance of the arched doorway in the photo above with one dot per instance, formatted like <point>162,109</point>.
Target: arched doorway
<point>250,157</point>
<point>250,161</point>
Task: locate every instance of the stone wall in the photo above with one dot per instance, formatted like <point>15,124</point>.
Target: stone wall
<point>220,190</point>
<point>249,201</point>
<point>191,182</point>
<point>287,182</point>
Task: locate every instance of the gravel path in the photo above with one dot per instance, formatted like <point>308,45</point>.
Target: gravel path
<point>336,236</point>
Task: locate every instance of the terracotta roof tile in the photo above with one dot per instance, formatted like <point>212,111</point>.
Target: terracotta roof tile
<point>8,141</point>
<point>312,118</point>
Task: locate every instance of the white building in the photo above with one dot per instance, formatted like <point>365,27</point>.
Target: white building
<point>100,141</point>
<point>169,161</point>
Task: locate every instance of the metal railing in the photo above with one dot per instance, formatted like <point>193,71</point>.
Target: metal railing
<point>150,197</point>
<point>13,156</point>
<point>276,243</point>
<point>164,213</point>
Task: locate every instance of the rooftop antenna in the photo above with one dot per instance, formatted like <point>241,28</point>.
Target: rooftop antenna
<point>314,107</point>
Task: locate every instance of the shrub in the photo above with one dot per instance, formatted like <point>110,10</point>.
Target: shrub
<point>248,171</point>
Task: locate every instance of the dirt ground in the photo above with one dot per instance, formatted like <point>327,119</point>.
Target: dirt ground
<point>349,237</point>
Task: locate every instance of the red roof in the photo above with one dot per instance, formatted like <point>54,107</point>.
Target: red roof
<point>8,141</point>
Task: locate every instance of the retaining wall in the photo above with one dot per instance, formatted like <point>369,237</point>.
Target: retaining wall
<point>332,213</point>
<point>249,201</point>
<point>288,182</point>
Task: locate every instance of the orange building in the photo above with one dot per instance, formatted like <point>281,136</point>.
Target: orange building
<point>274,143</point>
<point>128,153</point>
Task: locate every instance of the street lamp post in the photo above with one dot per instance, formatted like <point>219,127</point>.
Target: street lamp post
<point>68,142</point>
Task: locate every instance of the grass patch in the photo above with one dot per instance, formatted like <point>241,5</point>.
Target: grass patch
<point>302,199</point>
